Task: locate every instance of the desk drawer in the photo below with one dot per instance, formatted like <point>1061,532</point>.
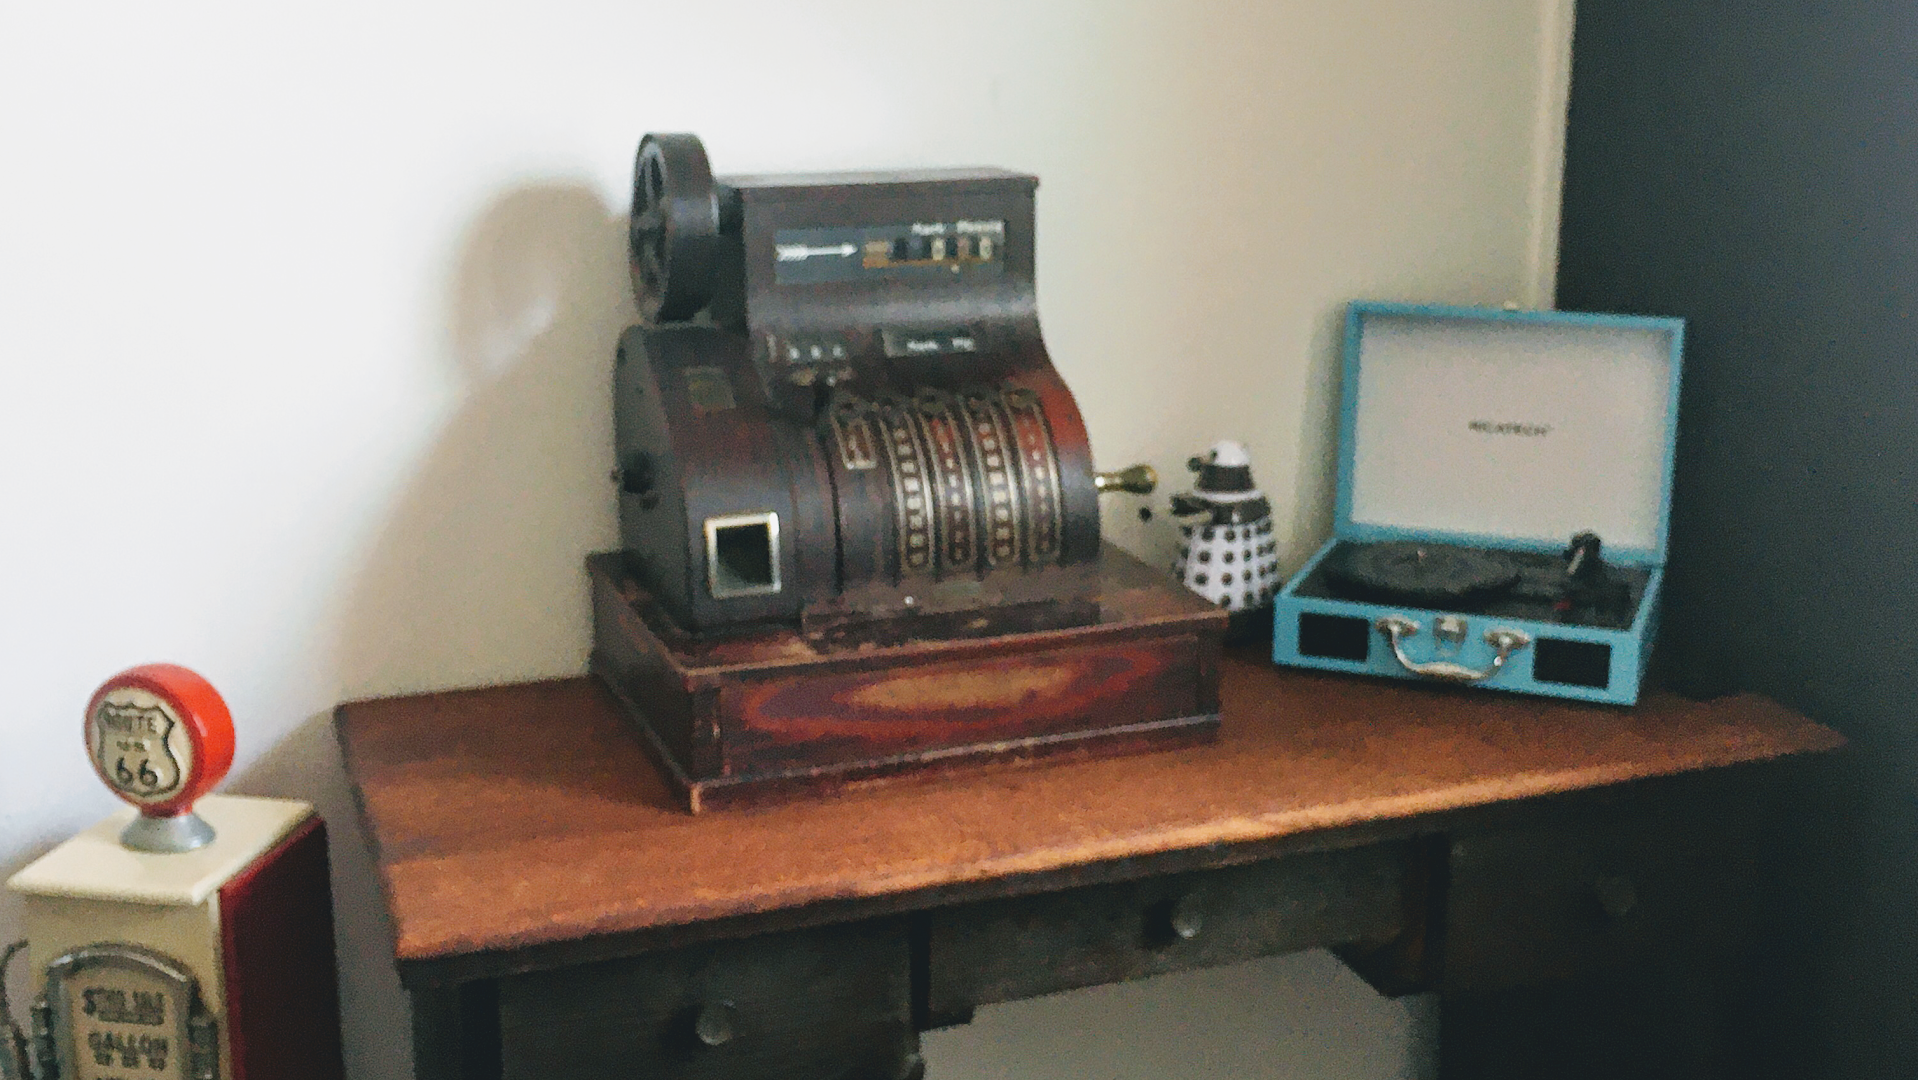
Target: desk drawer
<point>1004,950</point>
<point>1558,901</point>
<point>829,1004</point>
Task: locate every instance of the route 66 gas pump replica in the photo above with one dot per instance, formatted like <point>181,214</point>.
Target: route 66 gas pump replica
<point>188,938</point>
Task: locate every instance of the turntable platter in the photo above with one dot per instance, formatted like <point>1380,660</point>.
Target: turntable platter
<point>1420,574</point>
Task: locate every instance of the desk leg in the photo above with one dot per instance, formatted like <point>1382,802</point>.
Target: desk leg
<point>456,1032</point>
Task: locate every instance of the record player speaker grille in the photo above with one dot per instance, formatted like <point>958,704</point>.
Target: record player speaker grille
<point>1335,637</point>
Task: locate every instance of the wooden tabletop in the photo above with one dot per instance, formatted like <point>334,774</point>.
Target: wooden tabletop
<point>518,816</point>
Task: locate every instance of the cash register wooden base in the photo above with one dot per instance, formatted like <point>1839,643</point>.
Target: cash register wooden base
<point>1577,882</point>
<point>750,717</point>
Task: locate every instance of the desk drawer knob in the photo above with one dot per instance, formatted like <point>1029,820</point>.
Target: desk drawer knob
<point>911,1066</point>
<point>1187,917</point>
<point>1180,919</point>
<point>714,1024</point>
<point>1617,897</point>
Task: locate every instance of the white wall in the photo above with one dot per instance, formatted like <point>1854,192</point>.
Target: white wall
<point>306,311</point>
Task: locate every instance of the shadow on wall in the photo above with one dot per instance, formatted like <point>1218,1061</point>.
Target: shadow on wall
<point>476,576</point>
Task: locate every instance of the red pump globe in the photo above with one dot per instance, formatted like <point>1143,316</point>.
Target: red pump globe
<point>159,736</point>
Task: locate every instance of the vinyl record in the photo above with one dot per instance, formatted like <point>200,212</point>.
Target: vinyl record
<point>1421,575</point>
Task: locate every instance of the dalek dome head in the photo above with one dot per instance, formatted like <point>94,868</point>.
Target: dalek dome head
<point>1225,470</point>
<point>160,736</point>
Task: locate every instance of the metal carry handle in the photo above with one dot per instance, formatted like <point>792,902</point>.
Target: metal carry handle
<point>1397,628</point>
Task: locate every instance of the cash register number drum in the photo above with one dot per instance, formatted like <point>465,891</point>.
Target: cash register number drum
<point>974,477</point>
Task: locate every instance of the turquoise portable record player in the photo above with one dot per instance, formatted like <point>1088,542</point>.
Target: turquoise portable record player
<point>1504,490</point>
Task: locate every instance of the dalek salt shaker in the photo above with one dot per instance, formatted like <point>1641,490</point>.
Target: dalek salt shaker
<point>189,937</point>
<point>1227,552</point>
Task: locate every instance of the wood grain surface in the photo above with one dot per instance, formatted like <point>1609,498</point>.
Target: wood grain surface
<point>784,712</point>
<point>518,816</point>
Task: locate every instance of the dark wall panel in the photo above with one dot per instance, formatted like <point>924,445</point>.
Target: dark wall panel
<point>1753,167</point>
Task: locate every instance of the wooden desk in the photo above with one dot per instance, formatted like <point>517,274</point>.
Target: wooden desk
<point>1575,880</point>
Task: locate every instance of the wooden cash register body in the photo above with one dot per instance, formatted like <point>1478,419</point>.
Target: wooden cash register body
<point>743,718</point>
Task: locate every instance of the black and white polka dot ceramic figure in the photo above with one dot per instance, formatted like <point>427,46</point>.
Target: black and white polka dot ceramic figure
<point>1227,552</point>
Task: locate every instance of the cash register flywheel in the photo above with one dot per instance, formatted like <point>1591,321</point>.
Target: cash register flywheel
<point>675,228</point>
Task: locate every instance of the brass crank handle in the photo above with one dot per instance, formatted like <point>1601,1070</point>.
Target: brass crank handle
<point>1137,480</point>
<point>1397,628</point>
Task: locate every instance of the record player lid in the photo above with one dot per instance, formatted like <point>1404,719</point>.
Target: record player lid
<point>1508,428</point>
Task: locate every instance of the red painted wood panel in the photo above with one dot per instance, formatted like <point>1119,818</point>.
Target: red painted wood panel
<point>282,991</point>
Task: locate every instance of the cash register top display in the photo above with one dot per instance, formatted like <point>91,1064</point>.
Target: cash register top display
<point>838,409</point>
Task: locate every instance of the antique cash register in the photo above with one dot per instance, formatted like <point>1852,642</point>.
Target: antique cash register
<point>858,509</point>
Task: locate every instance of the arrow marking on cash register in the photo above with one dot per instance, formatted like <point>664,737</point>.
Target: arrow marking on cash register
<point>796,252</point>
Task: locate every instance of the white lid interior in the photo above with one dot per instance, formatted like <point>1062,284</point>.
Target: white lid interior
<point>1511,429</point>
